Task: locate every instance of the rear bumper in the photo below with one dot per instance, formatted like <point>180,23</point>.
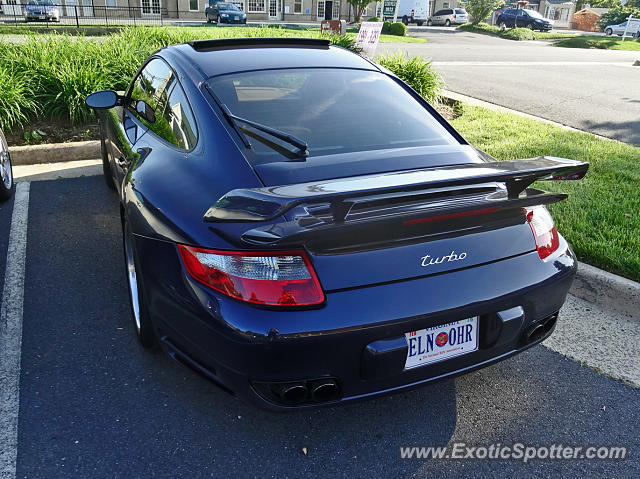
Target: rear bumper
<point>237,345</point>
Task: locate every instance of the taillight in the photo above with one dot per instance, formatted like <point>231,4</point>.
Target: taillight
<point>283,278</point>
<point>544,230</point>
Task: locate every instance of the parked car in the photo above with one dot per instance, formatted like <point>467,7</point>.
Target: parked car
<point>6,172</point>
<point>280,246</point>
<point>449,16</point>
<point>224,12</point>
<point>523,18</point>
<point>413,11</point>
<point>41,10</point>
<point>619,29</point>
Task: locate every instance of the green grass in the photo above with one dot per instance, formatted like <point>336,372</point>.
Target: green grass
<point>601,217</point>
<point>514,33</point>
<point>603,43</point>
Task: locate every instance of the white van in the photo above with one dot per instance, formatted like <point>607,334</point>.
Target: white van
<point>413,11</point>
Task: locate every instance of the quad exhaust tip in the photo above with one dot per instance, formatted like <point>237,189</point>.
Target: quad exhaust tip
<point>539,329</point>
<point>294,393</point>
<point>301,392</point>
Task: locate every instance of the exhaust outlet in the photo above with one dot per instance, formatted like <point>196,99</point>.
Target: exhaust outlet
<point>535,332</point>
<point>326,390</point>
<point>294,393</point>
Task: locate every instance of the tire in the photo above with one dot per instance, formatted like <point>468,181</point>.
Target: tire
<point>106,166</point>
<point>530,26</point>
<point>7,184</point>
<point>137,304</point>
<point>208,19</point>
<point>429,23</point>
<point>503,25</point>
<point>419,23</point>
<point>405,20</point>
<point>608,32</point>
<point>447,23</point>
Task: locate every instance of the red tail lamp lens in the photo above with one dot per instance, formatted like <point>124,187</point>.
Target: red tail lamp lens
<point>283,278</point>
<point>544,230</point>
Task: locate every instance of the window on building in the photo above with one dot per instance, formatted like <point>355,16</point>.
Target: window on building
<point>297,6</point>
<point>255,6</point>
<point>445,4</point>
<point>239,4</point>
<point>335,10</point>
<point>111,3</point>
<point>151,7</point>
<point>193,5</point>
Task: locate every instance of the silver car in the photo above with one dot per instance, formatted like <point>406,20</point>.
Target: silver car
<point>449,16</point>
<point>619,30</point>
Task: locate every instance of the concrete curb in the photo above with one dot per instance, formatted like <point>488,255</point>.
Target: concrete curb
<point>54,152</point>
<point>607,290</point>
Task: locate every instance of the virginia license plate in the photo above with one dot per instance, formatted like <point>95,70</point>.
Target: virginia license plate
<point>438,343</point>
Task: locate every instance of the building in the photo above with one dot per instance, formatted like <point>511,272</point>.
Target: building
<point>257,10</point>
<point>586,19</point>
<point>560,11</point>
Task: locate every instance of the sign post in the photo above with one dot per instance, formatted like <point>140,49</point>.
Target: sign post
<point>368,37</point>
<point>633,26</point>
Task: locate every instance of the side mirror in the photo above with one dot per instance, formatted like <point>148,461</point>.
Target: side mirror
<point>102,99</point>
<point>145,111</point>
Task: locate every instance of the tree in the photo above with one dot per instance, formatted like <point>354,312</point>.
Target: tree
<point>358,8</point>
<point>618,15</point>
<point>481,9</point>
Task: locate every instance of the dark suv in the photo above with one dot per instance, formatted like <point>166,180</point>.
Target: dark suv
<point>518,17</point>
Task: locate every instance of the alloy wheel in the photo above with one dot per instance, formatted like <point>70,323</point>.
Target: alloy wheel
<point>132,277</point>
<point>6,173</point>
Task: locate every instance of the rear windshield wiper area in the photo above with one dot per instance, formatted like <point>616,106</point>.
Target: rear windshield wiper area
<point>255,130</point>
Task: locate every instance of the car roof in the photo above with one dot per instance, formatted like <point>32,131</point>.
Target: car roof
<point>207,58</point>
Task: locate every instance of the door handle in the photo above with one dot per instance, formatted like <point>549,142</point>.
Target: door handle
<point>121,161</point>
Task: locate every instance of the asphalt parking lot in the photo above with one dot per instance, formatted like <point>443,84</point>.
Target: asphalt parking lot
<point>92,403</point>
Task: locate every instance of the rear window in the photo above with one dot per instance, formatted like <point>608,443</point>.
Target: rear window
<point>332,110</point>
<point>461,11</point>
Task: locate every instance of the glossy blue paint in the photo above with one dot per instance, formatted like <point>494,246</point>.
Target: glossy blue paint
<point>376,280</point>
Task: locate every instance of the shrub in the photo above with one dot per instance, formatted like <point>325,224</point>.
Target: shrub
<point>399,29</point>
<point>386,28</point>
<point>16,101</point>
<point>618,14</point>
<point>416,72</point>
<point>374,19</point>
<point>480,27</point>
<point>519,34</point>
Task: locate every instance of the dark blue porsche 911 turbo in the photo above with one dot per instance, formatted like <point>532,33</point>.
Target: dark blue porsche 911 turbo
<point>303,229</point>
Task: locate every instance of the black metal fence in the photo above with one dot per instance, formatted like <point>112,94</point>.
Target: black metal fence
<point>87,14</point>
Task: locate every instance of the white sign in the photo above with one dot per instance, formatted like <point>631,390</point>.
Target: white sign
<point>286,9</point>
<point>368,37</point>
<point>633,26</point>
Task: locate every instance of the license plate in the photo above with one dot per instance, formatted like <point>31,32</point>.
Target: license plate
<point>438,343</point>
<point>42,17</point>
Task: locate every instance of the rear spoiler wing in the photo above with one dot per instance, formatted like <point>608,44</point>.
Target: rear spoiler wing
<point>267,204</point>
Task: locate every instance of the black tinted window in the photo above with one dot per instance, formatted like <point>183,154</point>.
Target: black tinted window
<point>177,122</point>
<point>151,85</point>
<point>157,86</point>
<point>439,12</point>
<point>333,110</point>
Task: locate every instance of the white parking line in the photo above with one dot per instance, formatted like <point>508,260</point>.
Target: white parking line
<point>464,63</point>
<point>11,310</point>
